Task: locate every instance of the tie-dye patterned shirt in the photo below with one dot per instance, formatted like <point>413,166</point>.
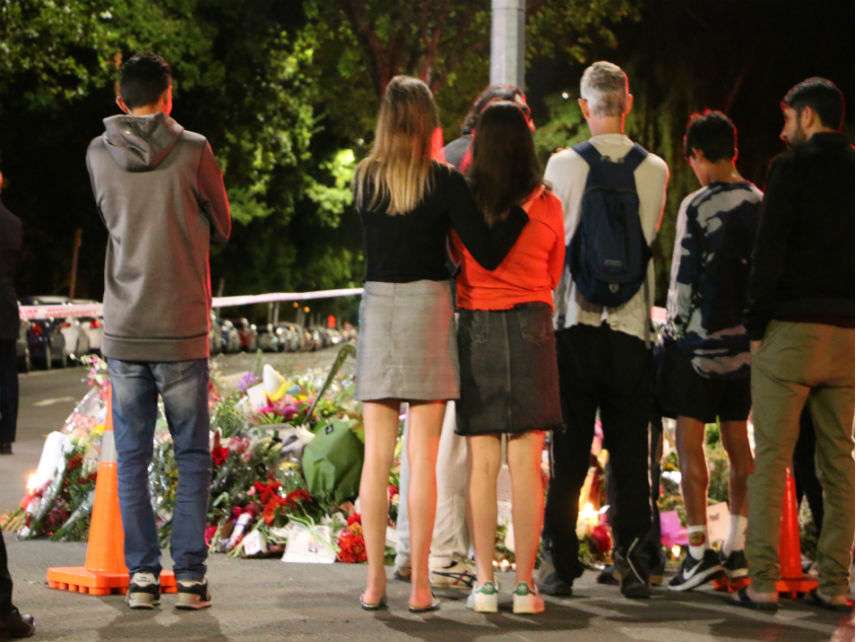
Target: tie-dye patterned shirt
<point>714,235</point>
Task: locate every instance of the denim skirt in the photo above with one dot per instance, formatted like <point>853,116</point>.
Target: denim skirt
<point>406,342</point>
<point>509,371</point>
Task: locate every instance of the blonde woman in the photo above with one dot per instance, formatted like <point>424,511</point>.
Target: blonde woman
<point>406,349</point>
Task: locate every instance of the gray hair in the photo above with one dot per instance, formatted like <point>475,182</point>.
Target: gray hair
<point>605,87</point>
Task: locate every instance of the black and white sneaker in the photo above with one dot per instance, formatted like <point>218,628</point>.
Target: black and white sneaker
<point>694,571</point>
<point>143,591</point>
<point>193,595</point>
<point>735,565</point>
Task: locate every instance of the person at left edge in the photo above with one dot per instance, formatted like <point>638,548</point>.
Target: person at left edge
<point>160,193</point>
<point>13,623</point>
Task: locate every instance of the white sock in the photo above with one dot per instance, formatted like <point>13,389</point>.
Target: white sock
<point>697,551</point>
<point>736,535</point>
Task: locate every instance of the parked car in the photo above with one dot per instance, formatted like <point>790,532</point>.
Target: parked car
<point>92,327</point>
<point>247,333</point>
<point>45,337</point>
<point>271,338</point>
<point>22,349</point>
<point>229,336</point>
<point>292,335</point>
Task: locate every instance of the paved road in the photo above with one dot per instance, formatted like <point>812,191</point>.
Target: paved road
<point>268,600</point>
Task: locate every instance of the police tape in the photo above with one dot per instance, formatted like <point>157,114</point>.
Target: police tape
<point>658,315</point>
<point>64,311</point>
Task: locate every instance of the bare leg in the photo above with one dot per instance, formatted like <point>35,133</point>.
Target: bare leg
<point>485,452</point>
<point>694,478</point>
<point>380,419</point>
<point>736,444</point>
<point>527,499</point>
<point>426,421</point>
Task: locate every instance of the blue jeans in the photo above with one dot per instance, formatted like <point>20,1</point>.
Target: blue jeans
<point>183,385</point>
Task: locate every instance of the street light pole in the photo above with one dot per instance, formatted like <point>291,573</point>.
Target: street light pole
<point>507,42</point>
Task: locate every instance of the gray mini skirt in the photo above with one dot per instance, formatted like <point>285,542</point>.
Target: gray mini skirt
<point>509,371</point>
<point>406,345</point>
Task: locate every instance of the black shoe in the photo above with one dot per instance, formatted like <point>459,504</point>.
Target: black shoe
<point>694,572</point>
<point>549,582</point>
<point>16,624</point>
<point>735,565</point>
<point>633,573</point>
<point>6,448</point>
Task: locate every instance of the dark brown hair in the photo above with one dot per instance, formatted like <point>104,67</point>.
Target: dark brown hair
<point>505,168</point>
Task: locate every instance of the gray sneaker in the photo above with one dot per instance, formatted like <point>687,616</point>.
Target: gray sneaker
<point>457,574</point>
<point>548,581</point>
<point>193,595</point>
<point>143,591</point>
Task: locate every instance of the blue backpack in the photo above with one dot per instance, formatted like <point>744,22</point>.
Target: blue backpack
<point>608,256</point>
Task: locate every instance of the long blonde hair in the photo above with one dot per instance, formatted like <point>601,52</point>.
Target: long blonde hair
<point>398,167</point>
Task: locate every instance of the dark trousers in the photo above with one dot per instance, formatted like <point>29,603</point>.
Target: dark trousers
<point>8,390</point>
<point>600,369</point>
<point>5,580</point>
<point>652,549</point>
<point>805,471</point>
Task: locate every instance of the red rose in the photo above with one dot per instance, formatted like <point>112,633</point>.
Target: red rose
<point>601,539</point>
<point>352,547</point>
<point>219,455</point>
<point>354,519</point>
<point>209,534</point>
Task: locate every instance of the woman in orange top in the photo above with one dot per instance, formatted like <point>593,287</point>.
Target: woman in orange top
<point>509,376</point>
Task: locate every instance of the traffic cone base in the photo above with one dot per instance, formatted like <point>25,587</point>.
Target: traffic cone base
<point>727,585</point>
<point>104,572</point>
<point>77,579</point>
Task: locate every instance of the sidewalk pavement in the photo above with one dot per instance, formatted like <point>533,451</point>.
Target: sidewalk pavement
<point>261,600</point>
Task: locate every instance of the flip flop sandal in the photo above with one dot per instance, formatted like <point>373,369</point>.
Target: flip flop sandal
<point>816,599</point>
<point>434,606</point>
<point>373,606</point>
<point>742,599</point>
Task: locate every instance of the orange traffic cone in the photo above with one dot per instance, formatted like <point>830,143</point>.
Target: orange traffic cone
<point>792,579</point>
<point>105,571</point>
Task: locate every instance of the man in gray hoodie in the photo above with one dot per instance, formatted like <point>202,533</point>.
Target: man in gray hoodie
<point>161,195</point>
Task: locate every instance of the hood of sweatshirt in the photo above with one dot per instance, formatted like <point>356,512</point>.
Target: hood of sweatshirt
<point>140,143</point>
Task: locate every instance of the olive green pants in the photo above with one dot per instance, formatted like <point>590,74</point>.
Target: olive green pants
<point>801,363</point>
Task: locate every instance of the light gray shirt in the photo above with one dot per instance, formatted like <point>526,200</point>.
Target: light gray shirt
<point>567,173</point>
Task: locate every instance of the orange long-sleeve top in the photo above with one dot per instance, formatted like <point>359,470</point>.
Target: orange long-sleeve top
<point>530,271</point>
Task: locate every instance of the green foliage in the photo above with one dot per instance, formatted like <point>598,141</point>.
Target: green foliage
<point>227,417</point>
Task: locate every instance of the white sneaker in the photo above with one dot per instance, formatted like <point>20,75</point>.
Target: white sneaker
<point>484,598</point>
<point>456,574</point>
<point>193,595</point>
<point>527,599</point>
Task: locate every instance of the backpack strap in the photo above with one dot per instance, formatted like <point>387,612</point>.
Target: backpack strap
<point>588,152</point>
<point>634,157</point>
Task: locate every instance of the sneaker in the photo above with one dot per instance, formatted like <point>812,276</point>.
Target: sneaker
<point>549,582</point>
<point>457,574</point>
<point>484,598</point>
<point>634,582</point>
<point>735,565</point>
<point>193,595</point>
<point>694,572</point>
<point>527,599</point>
<point>143,591</point>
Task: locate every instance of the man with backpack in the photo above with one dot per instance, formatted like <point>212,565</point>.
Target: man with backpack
<point>613,193</point>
